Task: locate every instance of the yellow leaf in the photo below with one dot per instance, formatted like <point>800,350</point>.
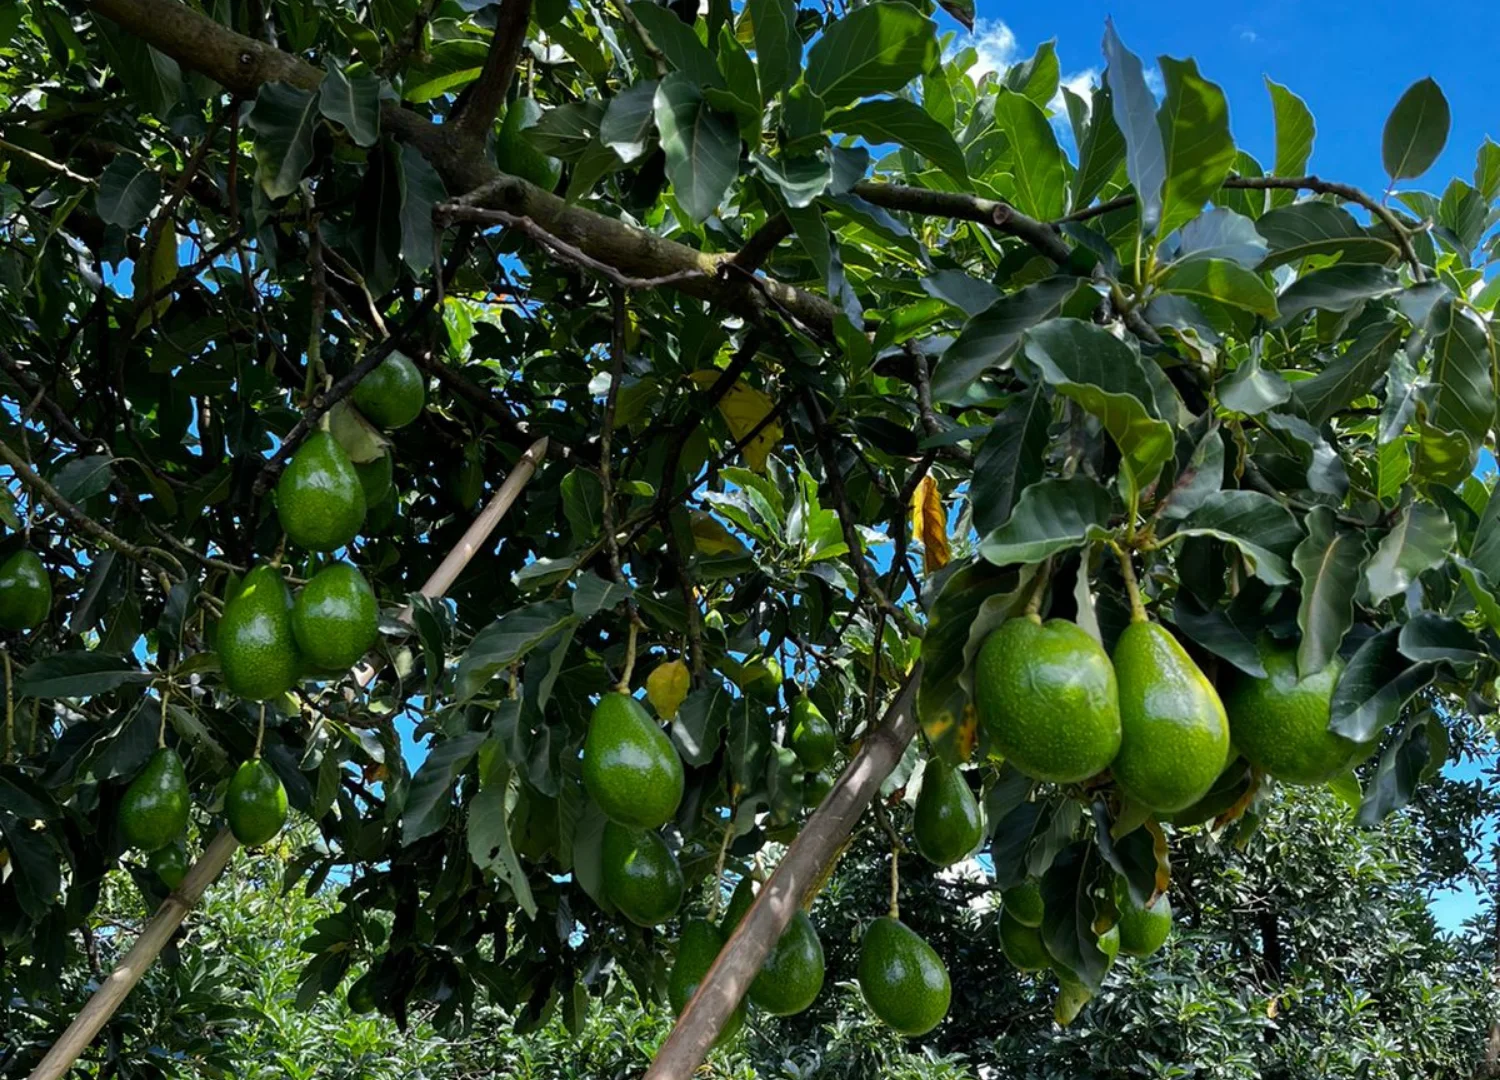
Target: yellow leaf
<point>710,537</point>
<point>152,274</point>
<point>929,525</point>
<point>743,408</point>
<point>667,686</point>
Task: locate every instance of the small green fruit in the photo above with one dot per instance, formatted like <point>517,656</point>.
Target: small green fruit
<point>947,823</point>
<point>761,679</point>
<point>257,647</point>
<point>903,979</point>
<point>169,863</point>
<point>334,618</point>
<point>154,810</point>
<point>1143,930</point>
<point>25,592</point>
<point>255,803</point>
<point>792,975</point>
<point>1024,902</point>
<point>697,949</point>
<point>319,500</point>
<point>361,996</point>
<point>812,738</point>
<point>640,874</point>
<point>630,767</point>
<point>815,789</point>
<point>392,395</point>
<point>1022,944</point>
<point>375,481</point>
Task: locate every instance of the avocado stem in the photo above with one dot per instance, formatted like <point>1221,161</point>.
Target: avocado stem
<point>260,730</point>
<point>718,896</point>
<point>1033,607</point>
<point>1132,589</point>
<point>10,708</point>
<point>895,910</point>
<point>624,684</point>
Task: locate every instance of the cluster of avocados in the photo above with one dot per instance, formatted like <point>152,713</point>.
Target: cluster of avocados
<point>267,640</point>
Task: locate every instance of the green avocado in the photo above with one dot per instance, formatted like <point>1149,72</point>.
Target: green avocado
<point>319,500</point>
<point>375,480</point>
<point>392,395</point>
<point>25,591</point>
<point>334,618</point>
<point>169,863</point>
<point>1022,944</point>
<point>257,648</point>
<point>1046,694</point>
<point>515,152</point>
<point>1024,902</point>
<point>812,738</point>
<point>815,789</point>
<point>255,803</point>
<point>761,679</point>
<point>792,975</point>
<point>1280,723</point>
<point>1143,930</point>
<point>1176,736</point>
<point>630,767</point>
<point>739,903</point>
<point>361,995</point>
<point>946,822</point>
<point>641,876</point>
<point>697,949</point>
<point>154,810</point>
<point>904,981</point>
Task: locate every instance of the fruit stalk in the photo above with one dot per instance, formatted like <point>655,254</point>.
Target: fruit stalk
<point>1132,587</point>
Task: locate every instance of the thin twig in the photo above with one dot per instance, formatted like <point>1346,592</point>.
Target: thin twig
<point>606,480</point>
<point>410,38</point>
<point>647,44</point>
<point>45,162</point>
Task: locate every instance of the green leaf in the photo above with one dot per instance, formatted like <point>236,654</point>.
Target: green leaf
<point>421,190</point>
<point>1396,778</point>
<point>1462,370</point>
<point>1415,132</point>
<point>128,192</point>
<point>1328,563</point>
<point>898,120</point>
<point>78,674</point>
<point>1319,228</point>
<point>82,478</point>
<point>700,722</point>
<point>1430,636</point>
<point>1051,516</point>
<point>583,504</point>
<point>875,49</point>
<point>353,104</point>
<point>988,339</point>
<point>506,640</point>
<point>1036,161</point>
<point>1265,531</point>
<point>1231,634</point>
<point>284,120</point>
<point>565,132</point>
<point>801,179</point>
<point>1101,148</point>
<point>629,119</point>
<point>1487,170</point>
<point>1326,473</point>
<point>1069,912</point>
<point>1220,281</point>
<point>149,76</point>
<point>1104,375</point>
<point>489,837</point>
<point>778,46</point>
<point>1038,77</point>
<point>1222,234</point>
<point>1375,686</point>
<point>594,594</point>
<point>1135,115</point>
<point>1485,554</point>
<point>1420,540</point>
<point>679,44</point>
<point>1481,591</point>
<point>1196,481</point>
<point>34,875</point>
<point>702,146</point>
<point>1338,288</point>
<point>429,796</point>
<point>1350,376</point>
<point>1199,150</point>
<point>1012,458</point>
<point>1295,131</point>
<point>1252,389</point>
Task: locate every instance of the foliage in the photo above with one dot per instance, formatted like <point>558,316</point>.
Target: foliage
<point>800,269</point>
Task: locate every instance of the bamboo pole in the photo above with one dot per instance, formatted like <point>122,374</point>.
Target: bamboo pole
<point>94,1015</point>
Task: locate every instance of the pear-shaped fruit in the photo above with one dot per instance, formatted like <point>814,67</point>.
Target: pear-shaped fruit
<point>375,480</point>
<point>792,975</point>
<point>1176,736</point>
<point>515,151</point>
<point>815,789</point>
<point>392,395</point>
<point>812,737</point>
<point>739,903</point>
<point>334,617</point>
<point>1024,902</point>
<point>1143,930</point>
<point>761,679</point>
<point>257,648</point>
<point>154,810</point>
<point>255,803</point>
<point>640,874</point>
<point>169,863</point>
<point>1046,694</point>
<point>1022,944</point>
<point>25,591</point>
<point>630,767</point>
<point>361,996</point>
<point>1280,723</point>
<point>946,823</point>
<point>697,949</point>
<point>904,981</point>
<point>319,500</point>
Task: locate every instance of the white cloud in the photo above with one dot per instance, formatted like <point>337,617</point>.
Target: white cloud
<point>1247,35</point>
<point>996,45</point>
<point>1081,83</point>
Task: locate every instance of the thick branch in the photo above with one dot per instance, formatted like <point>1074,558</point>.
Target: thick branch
<point>758,248</point>
<point>476,115</point>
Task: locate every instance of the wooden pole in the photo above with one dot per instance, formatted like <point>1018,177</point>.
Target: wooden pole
<point>94,1015</point>
<point>803,867</point>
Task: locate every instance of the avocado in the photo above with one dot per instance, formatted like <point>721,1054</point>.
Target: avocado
<point>375,481</point>
<point>792,974</point>
<point>946,822</point>
<point>255,803</point>
<point>392,395</point>
<point>1280,723</point>
<point>903,980</point>
<point>154,809</point>
<point>1024,902</point>
<point>319,500</point>
<point>1072,996</point>
<point>1046,694</point>
<point>515,152</point>
<point>257,648</point>
<point>641,876</point>
<point>1176,736</point>
<point>630,767</point>
<point>697,949</point>
<point>815,788</point>
<point>1022,944</point>
<point>334,618</point>
<point>1143,930</point>
<point>169,863</point>
<point>739,903</point>
<point>361,995</point>
<point>25,591</point>
<point>761,679</point>
<point>812,738</point>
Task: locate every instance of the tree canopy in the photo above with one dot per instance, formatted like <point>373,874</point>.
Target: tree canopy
<point>842,359</point>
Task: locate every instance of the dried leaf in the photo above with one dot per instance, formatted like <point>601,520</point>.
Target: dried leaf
<point>743,409</point>
<point>929,525</point>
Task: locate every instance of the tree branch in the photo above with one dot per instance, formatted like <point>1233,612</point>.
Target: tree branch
<point>992,212</point>
<point>758,248</point>
<point>476,113</point>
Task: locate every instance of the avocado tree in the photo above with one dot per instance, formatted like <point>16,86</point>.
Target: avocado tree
<point>868,408</point>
